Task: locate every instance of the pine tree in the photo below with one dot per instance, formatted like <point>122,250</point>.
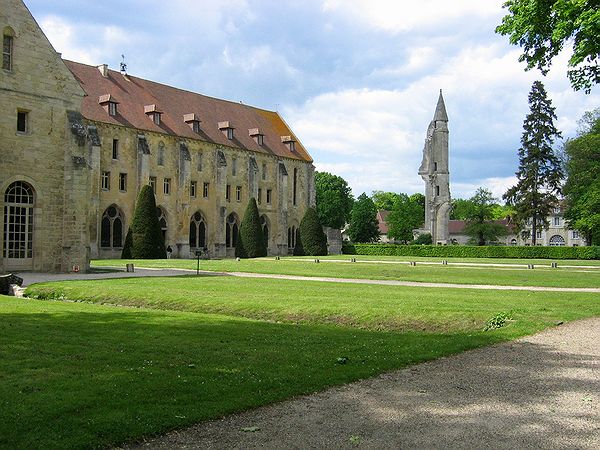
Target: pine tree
<point>146,236</point>
<point>363,223</point>
<point>540,173</point>
<point>312,240</point>
<point>251,242</point>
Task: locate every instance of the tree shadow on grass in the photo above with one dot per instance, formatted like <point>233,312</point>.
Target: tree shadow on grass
<point>78,375</point>
<point>521,395</point>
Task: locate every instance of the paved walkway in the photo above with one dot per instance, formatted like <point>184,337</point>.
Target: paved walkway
<point>29,278</point>
<point>542,391</point>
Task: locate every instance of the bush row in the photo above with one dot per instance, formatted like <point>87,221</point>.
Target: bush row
<point>466,251</point>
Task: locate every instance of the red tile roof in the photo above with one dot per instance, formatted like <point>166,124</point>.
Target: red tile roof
<point>381,216</point>
<point>133,94</point>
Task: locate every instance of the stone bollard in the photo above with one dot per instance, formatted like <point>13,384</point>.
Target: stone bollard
<point>352,259</point>
<point>530,266</point>
<point>413,263</point>
<point>129,267</point>
<point>277,258</point>
<point>444,263</point>
<point>317,261</point>
<point>554,265</point>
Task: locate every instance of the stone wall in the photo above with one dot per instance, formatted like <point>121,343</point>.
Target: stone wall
<point>48,156</point>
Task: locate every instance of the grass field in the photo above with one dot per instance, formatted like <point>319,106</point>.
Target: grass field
<point>92,364</point>
<point>561,277</point>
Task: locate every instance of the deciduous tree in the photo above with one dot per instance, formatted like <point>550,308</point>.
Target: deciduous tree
<point>363,222</point>
<point>407,213</point>
<point>480,219</point>
<point>582,188</point>
<point>334,199</point>
<point>544,27</point>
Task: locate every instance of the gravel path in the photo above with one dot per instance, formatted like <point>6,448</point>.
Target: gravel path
<point>542,391</point>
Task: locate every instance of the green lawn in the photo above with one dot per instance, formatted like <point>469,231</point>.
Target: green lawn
<point>163,353</point>
<point>561,277</point>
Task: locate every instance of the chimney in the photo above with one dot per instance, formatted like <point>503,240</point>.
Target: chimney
<point>103,68</point>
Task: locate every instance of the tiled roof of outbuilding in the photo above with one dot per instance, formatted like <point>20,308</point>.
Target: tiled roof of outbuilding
<point>133,94</point>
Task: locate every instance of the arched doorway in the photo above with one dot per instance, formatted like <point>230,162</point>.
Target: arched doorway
<point>19,201</point>
<point>557,241</point>
<point>264,224</point>
<point>162,220</point>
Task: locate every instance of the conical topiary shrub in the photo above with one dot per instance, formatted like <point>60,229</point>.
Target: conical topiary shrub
<point>146,236</point>
<point>251,241</point>
<point>313,240</point>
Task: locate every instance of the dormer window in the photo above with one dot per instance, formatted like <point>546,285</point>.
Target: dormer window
<point>193,121</point>
<point>7,49</point>
<point>109,104</point>
<point>227,129</point>
<point>289,142</point>
<point>258,137</point>
<point>154,113</point>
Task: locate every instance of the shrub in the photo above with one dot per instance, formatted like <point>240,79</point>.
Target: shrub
<point>126,252</point>
<point>146,236</point>
<point>312,240</point>
<point>423,239</point>
<point>466,251</point>
<point>251,242</point>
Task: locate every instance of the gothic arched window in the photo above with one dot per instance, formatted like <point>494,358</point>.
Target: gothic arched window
<point>111,228</point>
<point>197,231</point>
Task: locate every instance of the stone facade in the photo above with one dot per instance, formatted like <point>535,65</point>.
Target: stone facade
<point>435,173</point>
<point>44,171</point>
<point>93,137</point>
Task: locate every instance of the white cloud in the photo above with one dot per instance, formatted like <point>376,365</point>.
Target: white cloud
<point>497,185</point>
<point>400,16</point>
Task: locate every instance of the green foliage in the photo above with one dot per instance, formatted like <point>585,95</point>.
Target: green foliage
<point>467,251</point>
<point>423,239</point>
<point>146,236</point>
<point>364,226</point>
<point>461,208</point>
<point>312,240</point>
<point>480,226</point>
<point>498,321</point>
<point>582,189</point>
<point>126,252</point>
<point>406,214</point>
<point>251,240</point>
<point>543,27</point>
<point>384,200</point>
<point>334,199</point>
<point>540,174</point>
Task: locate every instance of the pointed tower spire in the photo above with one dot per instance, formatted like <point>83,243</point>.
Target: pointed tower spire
<point>440,110</point>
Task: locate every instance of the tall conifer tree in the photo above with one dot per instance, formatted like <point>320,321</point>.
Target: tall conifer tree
<point>540,173</point>
<point>251,242</point>
<point>145,236</point>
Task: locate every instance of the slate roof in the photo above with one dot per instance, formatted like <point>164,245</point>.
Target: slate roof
<point>133,94</point>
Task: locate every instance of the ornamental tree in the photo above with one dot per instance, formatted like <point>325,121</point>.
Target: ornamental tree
<point>251,241</point>
<point>544,27</point>
<point>312,240</point>
<point>334,199</point>
<point>363,222</point>
<point>539,175</point>
<point>146,236</point>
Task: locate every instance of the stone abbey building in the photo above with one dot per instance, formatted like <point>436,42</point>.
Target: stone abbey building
<point>78,142</point>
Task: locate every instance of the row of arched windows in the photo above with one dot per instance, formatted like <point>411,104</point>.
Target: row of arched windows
<point>113,225</point>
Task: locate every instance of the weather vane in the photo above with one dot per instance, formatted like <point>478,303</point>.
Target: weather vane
<point>123,65</point>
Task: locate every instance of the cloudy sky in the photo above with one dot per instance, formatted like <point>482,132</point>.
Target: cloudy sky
<point>357,80</point>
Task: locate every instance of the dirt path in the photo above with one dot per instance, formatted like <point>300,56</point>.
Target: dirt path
<point>541,391</point>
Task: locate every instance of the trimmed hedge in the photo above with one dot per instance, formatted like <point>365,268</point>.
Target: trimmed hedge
<point>468,251</point>
<point>312,240</point>
<point>146,241</point>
